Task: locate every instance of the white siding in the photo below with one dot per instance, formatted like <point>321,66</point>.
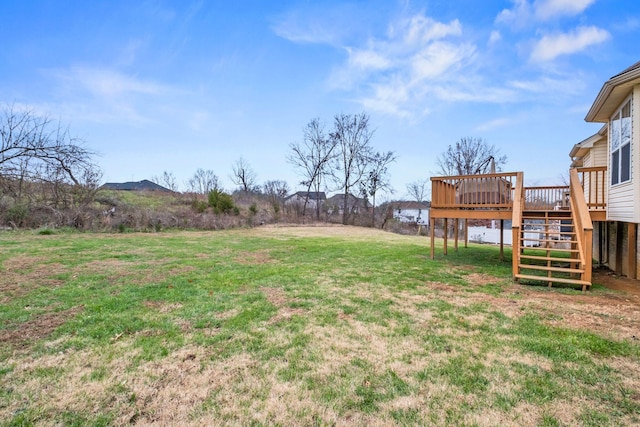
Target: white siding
<point>599,154</point>
<point>624,200</point>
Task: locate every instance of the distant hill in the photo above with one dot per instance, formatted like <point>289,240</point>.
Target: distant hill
<point>144,185</point>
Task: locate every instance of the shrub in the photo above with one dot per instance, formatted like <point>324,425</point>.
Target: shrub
<point>17,214</point>
<point>222,202</point>
<point>199,206</point>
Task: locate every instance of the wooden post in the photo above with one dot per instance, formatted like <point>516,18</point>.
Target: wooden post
<point>466,232</point>
<point>502,240</point>
<point>432,226</point>
<point>456,222</point>
<point>632,233</point>
<point>446,232</point>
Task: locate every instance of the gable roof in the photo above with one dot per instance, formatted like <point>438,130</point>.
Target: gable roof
<point>582,148</point>
<point>144,185</point>
<point>613,92</point>
<point>313,195</point>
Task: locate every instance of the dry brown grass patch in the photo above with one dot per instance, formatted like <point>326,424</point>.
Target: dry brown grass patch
<point>40,327</point>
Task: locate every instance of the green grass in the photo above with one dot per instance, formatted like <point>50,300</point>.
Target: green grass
<point>275,327</point>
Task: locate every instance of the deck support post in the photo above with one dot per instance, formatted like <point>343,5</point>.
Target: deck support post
<point>432,227</point>
<point>446,234</point>
<point>456,223</point>
<point>502,240</point>
<point>632,234</point>
<point>466,232</point>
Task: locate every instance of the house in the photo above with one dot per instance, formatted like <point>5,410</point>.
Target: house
<point>335,204</point>
<point>410,211</point>
<point>313,199</point>
<point>144,185</point>
<point>615,150</point>
<point>558,231</point>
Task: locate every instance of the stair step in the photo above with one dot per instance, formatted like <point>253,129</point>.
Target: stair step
<point>553,279</point>
<point>548,225</point>
<point>555,269</point>
<point>547,258</point>
<point>531,239</point>
<point>550,249</point>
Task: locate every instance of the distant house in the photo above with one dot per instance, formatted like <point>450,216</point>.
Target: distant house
<point>144,185</point>
<point>313,198</point>
<point>335,204</point>
<point>414,212</point>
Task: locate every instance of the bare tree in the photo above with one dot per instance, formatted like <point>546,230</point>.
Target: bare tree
<point>244,176</point>
<point>276,191</point>
<point>312,158</point>
<point>377,178</point>
<point>352,135</point>
<point>39,153</point>
<point>469,156</point>
<point>203,182</point>
<point>418,190</point>
<point>167,180</point>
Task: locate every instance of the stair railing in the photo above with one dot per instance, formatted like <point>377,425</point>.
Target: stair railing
<point>516,223</point>
<point>582,224</point>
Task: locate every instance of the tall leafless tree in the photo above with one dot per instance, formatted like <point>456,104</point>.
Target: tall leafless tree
<point>469,156</point>
<point>276,191</point>
<point>418,190</point>
<point>167,180</point>
<point>312,158</point>
<point>243,176</point>
<point>37,152</point>
<point>353,136</point>
<point>377,178</point>
<point>203,182</point>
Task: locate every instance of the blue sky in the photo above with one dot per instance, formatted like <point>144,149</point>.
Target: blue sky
<point>179,85</point>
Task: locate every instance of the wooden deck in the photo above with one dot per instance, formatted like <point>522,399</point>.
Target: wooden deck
<point>550,210</point>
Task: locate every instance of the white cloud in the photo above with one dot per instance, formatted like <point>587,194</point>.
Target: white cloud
<point>548,9</point>
<point>494,37</point>
<point>519,16</point>
<point>524,13</point>
<point>552,46</point>
<point>438,59</point>
<point>103,94</point>
<point>421,29</point>
<point>111,84</point>
<point>368,59</point>
<point>395,73</point>
<point>493,124</point>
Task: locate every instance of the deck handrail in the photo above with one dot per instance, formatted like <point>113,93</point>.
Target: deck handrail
<point>492,190</point>
<point>594,180</point>
<point>516,222</point>
<point>546,197</point>
<point>582,223</point>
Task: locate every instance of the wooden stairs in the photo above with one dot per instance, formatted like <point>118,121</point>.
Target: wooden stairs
<point>550,250</point>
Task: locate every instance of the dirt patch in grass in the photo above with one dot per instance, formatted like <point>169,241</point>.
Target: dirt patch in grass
<point>346,232</point>
<point>612,314</point>
<point>279,299</point>
<point>116,271</point>
<point>251,258</point>
<point>162,306</point>
<point>24,274</point>
<point>38,328</point>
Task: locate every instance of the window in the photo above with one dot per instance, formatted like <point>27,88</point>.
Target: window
<point>620,143</point>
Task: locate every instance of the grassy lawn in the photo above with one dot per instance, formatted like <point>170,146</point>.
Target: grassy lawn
<point>304,326</point>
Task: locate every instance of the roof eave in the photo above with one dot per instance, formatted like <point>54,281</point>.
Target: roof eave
<point>598,112</point>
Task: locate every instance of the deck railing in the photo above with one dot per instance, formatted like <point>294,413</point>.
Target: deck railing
<point>546,198</point>
<point>492,190</point>
<point>582,225</point>
<point>594,180</point>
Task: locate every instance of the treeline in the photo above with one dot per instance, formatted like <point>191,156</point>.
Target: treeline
<point>48,178</point>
